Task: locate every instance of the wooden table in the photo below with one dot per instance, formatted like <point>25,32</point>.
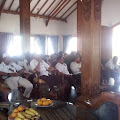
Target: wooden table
<point>60,111</point>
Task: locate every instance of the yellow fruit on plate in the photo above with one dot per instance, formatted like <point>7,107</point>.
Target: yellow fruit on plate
<point>50,102</point>
<point>15,111</point>
<point>45,103</point>
<point>21,108</point>
<point>39,103</point>
<point>43,99</point>
<point>32,110</point>
<point>17,118</point>
<point>10,117</point>
<point>14,115</point>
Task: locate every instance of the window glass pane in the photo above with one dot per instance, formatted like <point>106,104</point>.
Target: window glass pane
<point>116,42</point>
<point>34,48</point>
<point>50,47</point>
<point>72,45</point>
<point>14,48</point>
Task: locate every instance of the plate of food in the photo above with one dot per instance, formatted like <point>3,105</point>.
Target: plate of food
<point>23,113</point>
<point>44,103</point>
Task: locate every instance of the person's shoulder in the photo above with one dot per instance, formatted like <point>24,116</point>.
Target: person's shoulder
<point>33,60</point>
<point>58,64</point>
<point>2,64</point>
<point>72,63</point>
<point>25,60</point>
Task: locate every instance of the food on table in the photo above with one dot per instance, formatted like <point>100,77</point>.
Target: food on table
<point>39,102</point>
<point>15,111</point>
<point>21,113</point>
<point>13,115</point>
<point>43,99</point>
<point>44,102</point>
<point>21,108</point>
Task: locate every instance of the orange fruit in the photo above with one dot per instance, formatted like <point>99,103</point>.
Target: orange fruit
<point>50,102</point>
<point>21,108</point>
<point>10,117</point>
<point>39,102</point>
<point>45,103</point>
<point>14,115</point>
<point>43,99</point>
<point>15,111</point>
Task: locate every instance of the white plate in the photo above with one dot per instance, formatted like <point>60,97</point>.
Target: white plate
<point>37,119</point>
<point>44,106</point>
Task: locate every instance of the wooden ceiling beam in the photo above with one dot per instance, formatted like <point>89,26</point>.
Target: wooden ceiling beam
<point>19,6</point>
<point>42,7</point>
<point>62,8</point>
<point>55,8</point>
<point>49,7</point>
<point>2,6</point>
<point>68,9</point>
<point>11,5</point>
<point>70,13</point>
<point>55,12</point>
<point>33,15</point>
<point>35,5</point>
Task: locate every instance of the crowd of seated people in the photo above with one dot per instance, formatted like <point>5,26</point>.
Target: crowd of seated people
<point>114,69</point>
<point>110,69</point>
<point>51,69</point>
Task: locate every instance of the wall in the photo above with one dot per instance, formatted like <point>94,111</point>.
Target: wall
<point>10,23</point>
<point>106,43</point>
<point>110,12</point>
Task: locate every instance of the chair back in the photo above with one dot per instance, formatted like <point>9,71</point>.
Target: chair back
<point>107,111</point>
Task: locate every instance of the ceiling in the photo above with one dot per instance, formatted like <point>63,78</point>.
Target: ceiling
<point>62,9</point>
<point>50,9</point>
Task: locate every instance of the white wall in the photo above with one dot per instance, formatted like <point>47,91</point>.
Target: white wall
<point>110,12</point>
<point>10,23</point>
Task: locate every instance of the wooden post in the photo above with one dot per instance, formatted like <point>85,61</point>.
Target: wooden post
<point>25,24</point>
<point>89,32</point>
<point>79,22</point>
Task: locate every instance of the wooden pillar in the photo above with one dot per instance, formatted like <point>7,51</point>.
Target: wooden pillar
<point>79,22</point>
<point>90,28</point>
<point>25,24</point>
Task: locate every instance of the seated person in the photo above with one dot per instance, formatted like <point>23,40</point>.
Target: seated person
<point>62,68</point>
<point>11,73</point>
<point>75,67</point>
<point>114,68</point>
<point>38,65</point>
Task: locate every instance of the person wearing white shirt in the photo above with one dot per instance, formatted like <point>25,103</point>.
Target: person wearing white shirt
<point>38,65</point>
<point>113,68</point>
<point>75,67</point>
<point>13,77</point>
<point>62,68</point>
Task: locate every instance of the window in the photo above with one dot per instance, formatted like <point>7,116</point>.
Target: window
<point>14,48</point>
<point>49,47</point>
<point>72,45</point>
<point>116,42</point>
<point>34,48</point>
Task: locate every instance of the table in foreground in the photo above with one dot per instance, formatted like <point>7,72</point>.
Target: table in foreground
<point>59,111</point>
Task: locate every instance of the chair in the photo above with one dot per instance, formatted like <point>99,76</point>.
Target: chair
<point>107,106</point>
<point>104,74</point>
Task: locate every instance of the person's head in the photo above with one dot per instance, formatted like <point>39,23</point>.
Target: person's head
<point>115,59</point>
<point>6,58</point>
<point>73,53</point>
<point>61,53</point>
<point>53,56</point>
<point>77,59</point>
<point>60,59</point>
